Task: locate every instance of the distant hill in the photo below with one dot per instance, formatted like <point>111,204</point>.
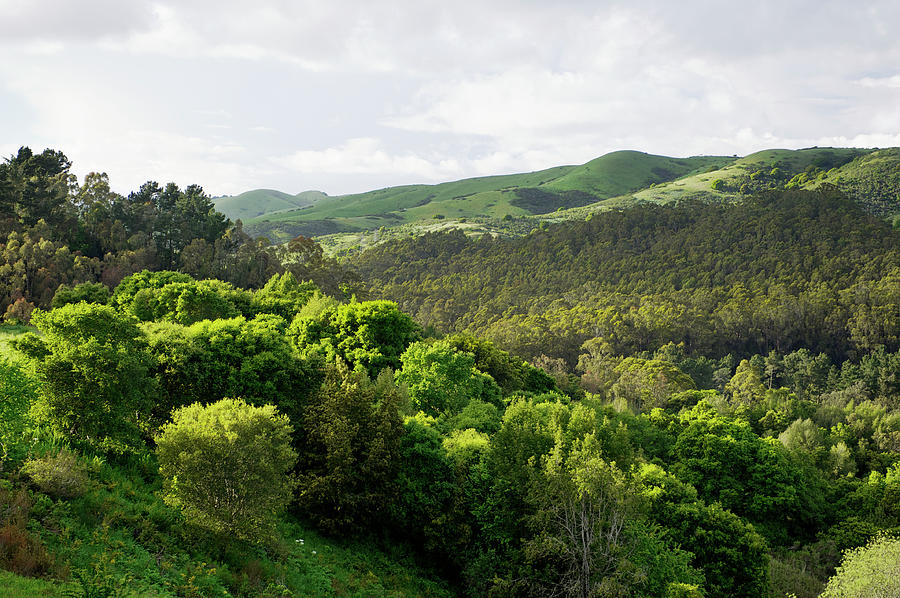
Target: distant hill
<point>512,205</point>
<point>255,203</point>
<point>872,179</point>
<point>497,197</point>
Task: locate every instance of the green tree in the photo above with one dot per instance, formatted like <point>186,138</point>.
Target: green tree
<point>371,334</point>
<point>92,364</point>
<point>92,292</point>
<point>227,467</point>
<point>349,445</point>
<point>441,379</point>
<point>871,571</point>
<point>214,359</point>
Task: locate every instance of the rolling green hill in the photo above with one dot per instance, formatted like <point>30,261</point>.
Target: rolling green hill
<point>497,197</point>
<point>872,179</point>
<point>511,205</point>
<point>258,202</point>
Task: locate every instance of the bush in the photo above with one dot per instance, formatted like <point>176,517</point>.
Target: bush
<point>19,312</point>
<point>60,475</point>
<point>90,292</point>
<point>872,570</point>
<point>20,552</point>
<point>92,365</point>
<point>226,466</point>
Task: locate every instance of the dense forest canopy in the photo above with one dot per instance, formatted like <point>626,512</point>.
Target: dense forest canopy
<point>56,231</point>
<point>690,400</point>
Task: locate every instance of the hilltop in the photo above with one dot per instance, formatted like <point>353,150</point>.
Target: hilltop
<point>515,204</point>
<point>259,202</point>
<point>493,197</point>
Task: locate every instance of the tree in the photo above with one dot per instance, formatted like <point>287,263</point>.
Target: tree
<point>92,363</point>
<point>871,571</point>
<point>349,450</point>
<point>227,466</point>
<point>369,334</point>
<point>92,292</point>
<point>443,380</point>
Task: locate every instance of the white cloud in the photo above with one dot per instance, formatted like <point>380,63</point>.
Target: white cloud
<point>402,91</point>
<point>366,156</point>
<point>892,82</point>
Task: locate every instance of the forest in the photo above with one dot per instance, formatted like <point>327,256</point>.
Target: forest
<point>690,400</point>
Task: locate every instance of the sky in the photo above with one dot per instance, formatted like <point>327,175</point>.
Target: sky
<point>348,96</point>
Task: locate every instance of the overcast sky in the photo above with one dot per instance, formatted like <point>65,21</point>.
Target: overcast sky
<point>347,96</point>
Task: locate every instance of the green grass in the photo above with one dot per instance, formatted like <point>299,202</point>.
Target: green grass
<point>613,181</point>
<point>483,197</point>
<point>252,204</point>
<point>120,536</point>
<point>7,334</point>
<point>13,585</point>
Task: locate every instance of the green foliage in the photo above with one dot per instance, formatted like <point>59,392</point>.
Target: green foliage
<point>92,364</point>
<point>226,467</point>
<point>371,334</point>
<point>443,380</point>
<point>283,295</point>
<point>211,360</point>
<point>748,475</point>
<point>350,450</point>
<point>731,555</point>
<point>18,391</point>
<point>872,570</point>
<point>91,292</point>
<point>125,293</point>
<point>59,475</point>
<point>717,278</point>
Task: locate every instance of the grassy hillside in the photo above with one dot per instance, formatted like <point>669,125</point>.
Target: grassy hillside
<point>511,205</point>
<point>755,171</point>
<point>494,197</point>
<point>258,202</point>
<point>872,179</point>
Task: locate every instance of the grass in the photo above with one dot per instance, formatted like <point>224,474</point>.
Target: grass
<point>251,204</point>
<point>8,333</point>
<point>26,587</point>
<point>119,538</point>
<point>617,180</point>
<point>491,197</point>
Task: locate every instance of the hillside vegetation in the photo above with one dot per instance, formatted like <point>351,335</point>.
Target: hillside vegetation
<point>684,399</point>
<point>494,197</point>
<point>513,205</point>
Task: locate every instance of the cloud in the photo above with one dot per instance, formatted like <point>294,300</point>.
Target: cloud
<point>892,82</point>
<point>351,94</point>
<point>366,156</point>
<point>58,20</point>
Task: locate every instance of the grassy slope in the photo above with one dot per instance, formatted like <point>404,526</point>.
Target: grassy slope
<point>872,179</point>
<point>699,184</point>
<point>483,197</point>
<point>122,537</point>
<point>619,179</point>
<point>251,204</point>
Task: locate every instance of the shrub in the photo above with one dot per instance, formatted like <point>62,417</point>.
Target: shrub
<point>20,552</point>
<point>871,570</point>
<point>60,475</point>
<point>19,312</point>
<point>226,466</point>
<point>90,292</point>
<point>92,365</point>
